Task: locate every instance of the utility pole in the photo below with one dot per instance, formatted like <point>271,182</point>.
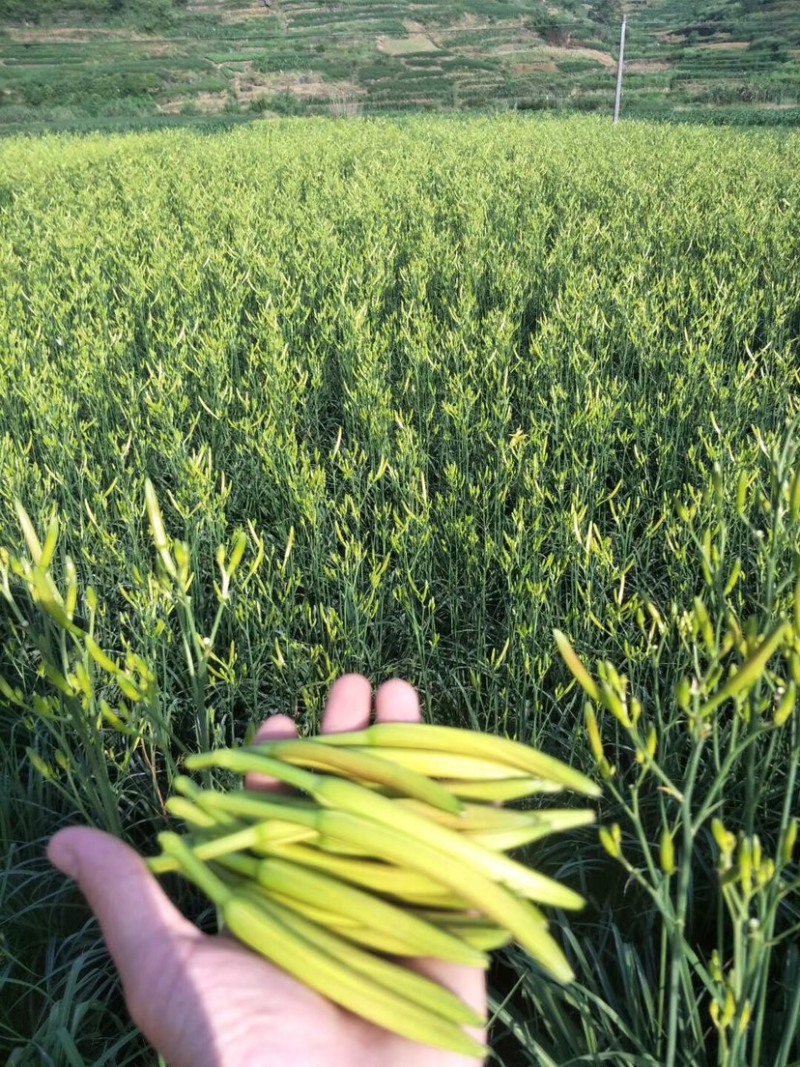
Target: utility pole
<point>619,71</point>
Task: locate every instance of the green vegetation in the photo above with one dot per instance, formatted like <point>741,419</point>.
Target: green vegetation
<point>458,384</point>
<point>153,16</point>
<point>714,59</point>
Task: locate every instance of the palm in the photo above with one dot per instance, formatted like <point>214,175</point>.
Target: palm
<point>208,1001</point>
<point>257,1014</point>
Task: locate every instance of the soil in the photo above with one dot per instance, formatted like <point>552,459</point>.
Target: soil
<point>398,46</point>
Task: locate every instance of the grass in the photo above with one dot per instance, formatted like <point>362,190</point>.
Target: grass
<point>452,384</point>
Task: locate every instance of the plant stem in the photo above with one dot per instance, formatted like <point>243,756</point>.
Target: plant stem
<point>681,904</point>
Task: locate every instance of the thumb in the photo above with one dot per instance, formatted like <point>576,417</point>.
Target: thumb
<point>137,920</point>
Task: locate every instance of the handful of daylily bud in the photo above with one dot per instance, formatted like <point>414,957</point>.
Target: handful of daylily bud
<point>394,846</point>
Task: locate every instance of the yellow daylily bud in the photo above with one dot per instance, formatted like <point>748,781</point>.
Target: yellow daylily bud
<point>612,702</point>
<point>785,707</point>
<point>744,1018</point>
<point>735,574</point>
<point>667,853</point>
<point>577,669</point>
<point>42,766</point>
<point>749,672</point>
<point>683,693</point>
<point>746,864</point>
<point>636,710</point>
<point>789,841</point>
<point>99,656</point>
<point>756,850</point>
<point>707,632</point>
<point>50,542</point>
<point>742,486</point>
<point>729,1010</point>
<point>607,771</point>
<point>29,533</point>
<point>71,599</point>
<point>652,741</point>
<point>765,872</point>
<point>13,696</point>
<point>611,840</point>
<point>726,841</point>
<point>157,529</point>
<point>794,497</point>
<point>593,730</point>
<point>237,552</point>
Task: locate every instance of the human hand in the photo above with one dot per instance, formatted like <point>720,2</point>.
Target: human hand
<point>207,1001</point>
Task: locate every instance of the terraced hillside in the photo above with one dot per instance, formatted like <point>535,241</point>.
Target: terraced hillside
<point>135,61</point>
<point>741,56</point>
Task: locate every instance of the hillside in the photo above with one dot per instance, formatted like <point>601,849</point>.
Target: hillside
<point>135,61</point>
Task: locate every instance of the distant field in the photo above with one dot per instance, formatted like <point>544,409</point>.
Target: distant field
<point>229,61</point>
<point>459,383</point>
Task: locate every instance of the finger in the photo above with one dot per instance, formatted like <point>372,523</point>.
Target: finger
<point>397,701</point>
<point>276,727</point>
<point>468,983</point>
<point>349,705</point>
<point>139,924</point>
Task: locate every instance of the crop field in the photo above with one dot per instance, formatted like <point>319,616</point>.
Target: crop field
<point>451,384</point>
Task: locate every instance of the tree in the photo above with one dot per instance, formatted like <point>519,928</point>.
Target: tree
<point>608,12</point>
